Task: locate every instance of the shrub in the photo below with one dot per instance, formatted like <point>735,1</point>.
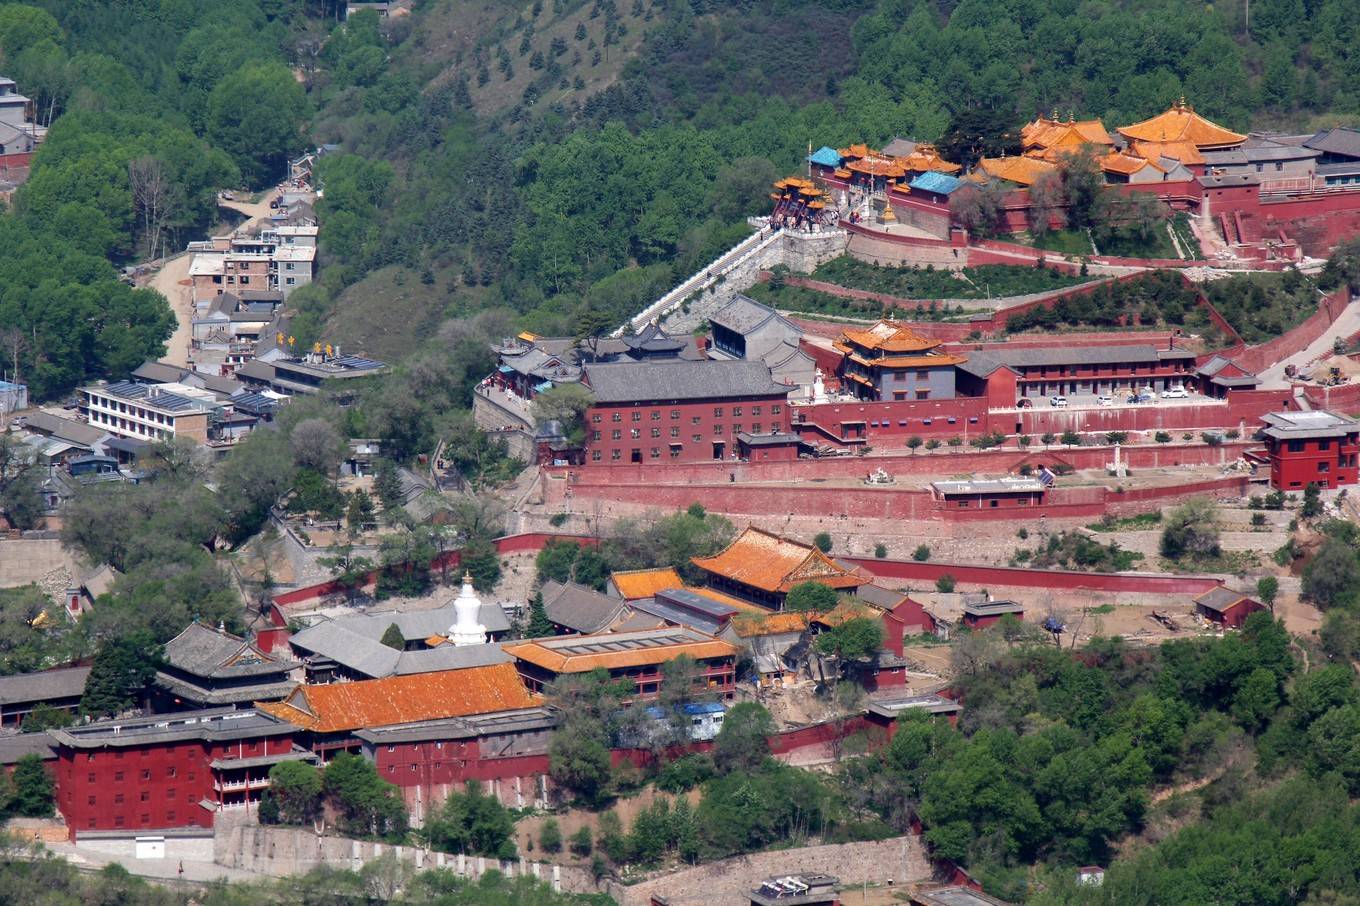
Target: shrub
<point>1212,438</point>
<point>1116,437</point>
<point>932,444</point>
<point>1274,500</point>
<point>550,836</point>
<point>1048,439</point>
<point>921,554</point>
<point>913,443</point>
<point>1022,534</point>
<point>557,520</point>
<point>1233,434</point>
<point>1071,438</point>
<point>880,550</point>
<point>581,843</point>
<point>944,584</point>
<point>1258,519</point>
<point>823,542</point>
<point>1023,440</point>
<point>1162,437</point>
<point>955,441</point>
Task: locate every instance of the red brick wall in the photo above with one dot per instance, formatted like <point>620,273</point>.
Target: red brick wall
<point>101,789</point>
<point>712,421</point>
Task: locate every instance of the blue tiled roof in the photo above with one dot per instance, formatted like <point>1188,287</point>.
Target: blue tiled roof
<point>825,156</point>
<point>939,183</point>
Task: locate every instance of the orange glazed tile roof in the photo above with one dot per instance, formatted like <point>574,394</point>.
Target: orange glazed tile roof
<point>770,563</point>
<point>848,609</point>
<point>1024,171</point>
<point>752,625</point>
<point>645,583</point>
<point>1185,152</point>
<point>1181,123</point>
<point>1114,162</point>
<point>1054,133</point>
<point>396,700</point>
<point>910,361</point>
<point>856,151</point>
<point>877,166</point>
<point>888,336</point>
<point>926,159</point>
<point>620,650</point>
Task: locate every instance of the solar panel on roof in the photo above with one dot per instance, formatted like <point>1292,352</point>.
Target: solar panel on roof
<point>357,362</point>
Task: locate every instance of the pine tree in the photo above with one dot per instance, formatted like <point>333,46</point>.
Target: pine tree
<point>539,624</point>
<point>393,638</point>
<point>32,788</point>
<point>387,484</point>
<point>122,668</point>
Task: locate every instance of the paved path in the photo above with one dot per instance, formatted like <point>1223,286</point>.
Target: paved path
<point>1349,323</point>
<point>165,869</point>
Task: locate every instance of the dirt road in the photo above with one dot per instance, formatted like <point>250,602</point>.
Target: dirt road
<point>172,281</point>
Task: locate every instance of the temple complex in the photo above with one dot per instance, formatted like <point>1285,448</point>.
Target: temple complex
<point>890,361</point>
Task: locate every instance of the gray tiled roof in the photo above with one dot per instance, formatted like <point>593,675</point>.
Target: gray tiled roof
<point>744,314</point>
<point>451,657</point>
<point>984,363</point>
<point>63,428</point>
<point>1220,599</point>
<point>879,596</point>
<point>363,655</point>
<point>12,748</point>
<point>203,651</point>
<point>1339,140</point>
<point>160,372</point>
<point>900,147</point>
<point>66,682</point>
<point>579,608</point>
<point>667,381</point>
<point>215,726</point>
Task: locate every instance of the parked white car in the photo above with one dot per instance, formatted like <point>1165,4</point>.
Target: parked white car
<point>1058,402</point>
<point>1175,393</point>
<point>1104,401</point>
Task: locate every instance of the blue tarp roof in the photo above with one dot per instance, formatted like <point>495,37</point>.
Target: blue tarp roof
<point>505,369</point>
<point>827,157</point>
<point>939,183</point>
<point>540,388</point>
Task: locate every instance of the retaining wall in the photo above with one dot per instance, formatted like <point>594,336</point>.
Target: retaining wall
<point>900,861</point>
<point>1260,357</point>
<point>282,851</point>
<point>998,576</point>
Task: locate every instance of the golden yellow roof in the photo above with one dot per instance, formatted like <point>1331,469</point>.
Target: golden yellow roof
<point>888,336</point>
<point>751,625</point>
<point>618,651</point>
<point>925,159</point>
<point>635,584</point>
<point>1024,171</point>
<point>909,361</point>
<point>1125,164</point>
<point>1181,123</point>
<point>1185,152</point>
<point>1054,133</point>
<point>877,166</point>
<point>856,151</point>
<point>770,563</point>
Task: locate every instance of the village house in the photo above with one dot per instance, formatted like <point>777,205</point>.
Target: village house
<point>1226,608</point>
<point>983,614</point>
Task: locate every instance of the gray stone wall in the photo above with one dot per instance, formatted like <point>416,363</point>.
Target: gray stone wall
<point>282,851</point>
<point>901,860</point>
<point>800,252</point>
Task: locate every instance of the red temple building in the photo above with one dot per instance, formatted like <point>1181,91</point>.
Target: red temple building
<point>681,411</point>
<point>1311,448</point>
<point>167,770</point>
<point>763,568</point>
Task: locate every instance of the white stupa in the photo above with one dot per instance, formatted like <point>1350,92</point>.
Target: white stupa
<point>467,630</point>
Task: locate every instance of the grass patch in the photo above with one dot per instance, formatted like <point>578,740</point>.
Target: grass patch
<point>1066,242</point>
<point>994,280</point>
<point>1157,299</point>
<point>1127,524</point>
<point>1261,307</point>
<point>1101,610</point>
<point>811,301</point>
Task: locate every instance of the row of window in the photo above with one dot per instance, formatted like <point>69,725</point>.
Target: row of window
<point>775,409</point>
<point>636,433</point>
<point>145,820</point>
<point>145,797</point>
<point>158,418</point>
<point>146,775</point>
<point>1299,446</point>
<point>100,418</point>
